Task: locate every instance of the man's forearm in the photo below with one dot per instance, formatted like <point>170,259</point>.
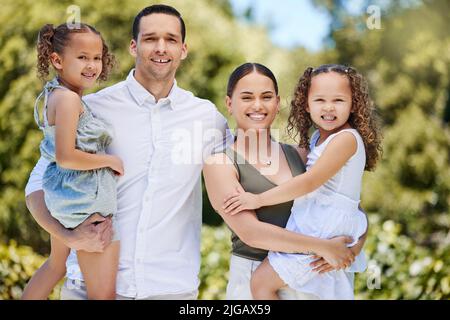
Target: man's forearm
<point>36,205</point>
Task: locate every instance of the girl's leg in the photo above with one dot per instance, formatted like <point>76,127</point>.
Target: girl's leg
<point>100,271</point>
<point>265,282</point>
<point>49,274</point>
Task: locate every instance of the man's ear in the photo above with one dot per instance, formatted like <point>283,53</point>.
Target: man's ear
<point>228,104</point>
<point>184,51</point>
<point>133,48</point>
<point>56,61</point>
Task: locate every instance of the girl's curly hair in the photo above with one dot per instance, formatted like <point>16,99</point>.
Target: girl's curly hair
<point>364,118</point>
<point>56,39</point>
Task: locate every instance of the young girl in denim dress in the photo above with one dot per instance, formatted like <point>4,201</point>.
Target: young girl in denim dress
<point>81,178</point>
<point>335,100</point>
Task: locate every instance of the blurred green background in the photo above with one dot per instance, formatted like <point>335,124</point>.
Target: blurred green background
<point>407,63</point>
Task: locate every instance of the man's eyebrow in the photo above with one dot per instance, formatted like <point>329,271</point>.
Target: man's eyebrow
<point>153,33</point>
<point>174,35</point>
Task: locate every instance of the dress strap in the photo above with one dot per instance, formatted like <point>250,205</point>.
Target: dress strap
<point>351,130</point>
<point>233,155</point>
<point>85,107</point>
<point>49,87</point>
<point>36,109</point>
<point>315,136</point>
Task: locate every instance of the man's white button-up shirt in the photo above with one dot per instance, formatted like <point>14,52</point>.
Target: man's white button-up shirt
<point>163,145</point>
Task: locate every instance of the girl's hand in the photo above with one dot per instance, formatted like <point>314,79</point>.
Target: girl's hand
<point>336,253</point>
<point>116,164</point>
<point>238,202</point>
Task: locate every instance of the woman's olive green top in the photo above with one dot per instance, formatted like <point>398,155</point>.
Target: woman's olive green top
<point>253,181</point>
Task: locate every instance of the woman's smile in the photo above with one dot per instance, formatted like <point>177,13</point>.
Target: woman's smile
<point>256,116</point>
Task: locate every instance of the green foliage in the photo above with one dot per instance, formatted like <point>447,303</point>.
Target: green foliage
<point>17,266</point>
<point>401,269</point>
<point>216,250</point>
<point>398,268</point>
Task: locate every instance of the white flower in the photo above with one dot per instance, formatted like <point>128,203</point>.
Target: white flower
<point>415,268</point>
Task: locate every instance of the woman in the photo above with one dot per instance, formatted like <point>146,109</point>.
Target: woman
<point>256,163</point>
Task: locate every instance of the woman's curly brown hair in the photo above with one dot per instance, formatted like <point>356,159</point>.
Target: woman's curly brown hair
<point>363,118</point>
<point>56,39</point>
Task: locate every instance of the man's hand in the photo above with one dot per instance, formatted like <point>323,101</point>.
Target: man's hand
<point>93,235</point>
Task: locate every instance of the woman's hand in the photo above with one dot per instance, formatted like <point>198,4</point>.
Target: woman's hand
<point>336,254</point>
<point>116,164</point>
<point>357,248</point>
<point>320,265</point>
<point>240,201</point>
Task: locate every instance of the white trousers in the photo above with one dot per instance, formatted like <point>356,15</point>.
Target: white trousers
<point>76,290</point>
<point>238,287</point>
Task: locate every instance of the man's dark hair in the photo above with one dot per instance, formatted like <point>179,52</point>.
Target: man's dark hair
<point>158,8</point>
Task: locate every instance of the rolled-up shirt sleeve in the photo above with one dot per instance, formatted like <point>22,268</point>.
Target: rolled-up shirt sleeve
<point>35,180</point>
<point>223,137</point>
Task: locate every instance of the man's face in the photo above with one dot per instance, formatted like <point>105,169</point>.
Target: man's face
<point>159,48</point>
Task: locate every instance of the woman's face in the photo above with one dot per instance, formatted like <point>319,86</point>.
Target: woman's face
<point>254,103</point>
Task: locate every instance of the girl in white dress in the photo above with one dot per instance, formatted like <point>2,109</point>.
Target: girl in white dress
<point>347,141</point>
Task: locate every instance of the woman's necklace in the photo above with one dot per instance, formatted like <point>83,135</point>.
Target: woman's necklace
<point>268,160</point>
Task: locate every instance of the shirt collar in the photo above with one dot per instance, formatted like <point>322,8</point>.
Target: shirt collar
<point>141,95</point>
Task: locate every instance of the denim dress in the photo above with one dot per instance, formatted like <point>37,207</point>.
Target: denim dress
<point>73,195</point>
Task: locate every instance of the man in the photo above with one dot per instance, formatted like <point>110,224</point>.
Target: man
<point>162,134</point>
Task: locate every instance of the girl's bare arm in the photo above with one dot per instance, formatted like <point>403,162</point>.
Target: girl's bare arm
<point>336,154</point>
<point>67,108</point>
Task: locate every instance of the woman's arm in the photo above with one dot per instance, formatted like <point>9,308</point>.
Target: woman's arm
<point>67,107</point>
<point>336,154</point>
<point>221,179</point>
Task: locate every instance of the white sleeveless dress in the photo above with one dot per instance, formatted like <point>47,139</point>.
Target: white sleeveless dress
<point>330,211</point>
